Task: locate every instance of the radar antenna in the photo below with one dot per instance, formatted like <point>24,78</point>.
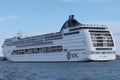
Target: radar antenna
<point>19,35</point>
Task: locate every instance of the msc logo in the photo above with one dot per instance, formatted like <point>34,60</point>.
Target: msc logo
<point>71,55</point>
<point>68,55</point>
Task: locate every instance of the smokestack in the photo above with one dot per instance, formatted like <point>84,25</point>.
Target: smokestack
<point>71,17</point>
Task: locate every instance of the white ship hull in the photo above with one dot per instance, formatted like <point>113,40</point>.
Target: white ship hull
<point>60,57</point>
<point>45,58</point>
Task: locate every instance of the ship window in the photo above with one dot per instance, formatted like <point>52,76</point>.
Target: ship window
<point>49,49</point>
<point>93,28</point>
<point>99,37</point>
<point>71,33</point>
<point>74,29</point>
<point>35,50</point>
<point>38,50</point>
<point>103,48</point>
<point>99,31</point>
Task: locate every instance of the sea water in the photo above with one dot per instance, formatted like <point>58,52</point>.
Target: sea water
<point>60,71</point>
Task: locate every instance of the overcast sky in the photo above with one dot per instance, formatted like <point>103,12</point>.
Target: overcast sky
<point>45,16</point>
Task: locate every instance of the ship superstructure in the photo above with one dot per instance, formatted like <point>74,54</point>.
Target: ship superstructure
<point>74,42</point>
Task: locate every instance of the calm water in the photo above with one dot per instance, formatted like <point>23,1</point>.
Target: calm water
<point>60,71</point>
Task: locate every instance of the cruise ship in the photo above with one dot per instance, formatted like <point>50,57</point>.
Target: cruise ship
<point>74,42</point>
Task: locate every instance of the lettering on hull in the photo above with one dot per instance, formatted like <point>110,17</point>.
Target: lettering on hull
<point>71,55</point>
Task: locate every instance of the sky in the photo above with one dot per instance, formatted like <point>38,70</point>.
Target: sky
<point>32,17</point>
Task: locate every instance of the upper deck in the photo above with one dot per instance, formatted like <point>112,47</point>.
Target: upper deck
<point>70,27</point>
